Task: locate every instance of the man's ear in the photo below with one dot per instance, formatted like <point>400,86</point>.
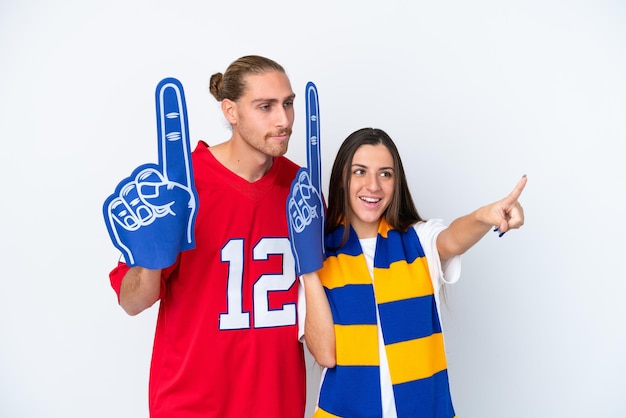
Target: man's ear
<point>229,108</point>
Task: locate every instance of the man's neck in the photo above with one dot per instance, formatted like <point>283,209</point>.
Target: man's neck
<point>247,163</point>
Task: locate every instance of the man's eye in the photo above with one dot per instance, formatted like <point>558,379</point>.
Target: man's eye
<point>288,104</point>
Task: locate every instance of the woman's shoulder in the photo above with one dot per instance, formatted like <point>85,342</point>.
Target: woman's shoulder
<point>429,227</point>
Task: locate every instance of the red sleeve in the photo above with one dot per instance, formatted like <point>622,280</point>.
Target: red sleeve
<point>116,275</point>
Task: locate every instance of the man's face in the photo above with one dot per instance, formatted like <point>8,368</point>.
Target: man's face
<point>264,114</point>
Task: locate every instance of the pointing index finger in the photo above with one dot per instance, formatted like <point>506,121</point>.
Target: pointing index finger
<point>173,132</point>
<point>314,162</point>
<point>517,191</point>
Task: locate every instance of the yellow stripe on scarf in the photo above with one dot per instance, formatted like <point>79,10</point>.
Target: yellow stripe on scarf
<point>398,281</point>
<point>357,345</point>
<point>431,358</point>
<point>344,269</point>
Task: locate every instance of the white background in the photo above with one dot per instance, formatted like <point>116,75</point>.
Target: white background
<point>475,95</point>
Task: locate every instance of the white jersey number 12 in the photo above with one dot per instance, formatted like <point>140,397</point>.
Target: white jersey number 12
<point>236,318</point>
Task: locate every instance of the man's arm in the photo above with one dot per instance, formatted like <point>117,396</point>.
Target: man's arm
<point>140,289</point>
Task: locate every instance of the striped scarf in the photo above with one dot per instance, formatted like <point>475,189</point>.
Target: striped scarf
<point>403,292</point>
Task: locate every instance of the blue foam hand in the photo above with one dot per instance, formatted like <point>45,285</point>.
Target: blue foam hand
<point>151,215</point>
<point>305,208</point>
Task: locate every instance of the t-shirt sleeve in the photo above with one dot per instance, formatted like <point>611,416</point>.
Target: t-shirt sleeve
<point>440,273</point>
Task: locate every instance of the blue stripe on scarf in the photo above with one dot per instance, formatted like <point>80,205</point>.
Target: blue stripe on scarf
<point>352,304</point>
<point>397,246</point>
<point>414,399</point>
<point>403,320</point>
<point>351,247</point>
<point>352,391</point>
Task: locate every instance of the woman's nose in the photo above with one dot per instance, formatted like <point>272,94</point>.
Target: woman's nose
<point>373,183</point>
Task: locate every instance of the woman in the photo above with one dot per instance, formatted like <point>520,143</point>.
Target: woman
<point>372,318</point>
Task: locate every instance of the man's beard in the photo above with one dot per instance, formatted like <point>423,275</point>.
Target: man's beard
<point>279,149</point>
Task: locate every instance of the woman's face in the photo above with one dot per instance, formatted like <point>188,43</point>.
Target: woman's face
<point>371,186</point>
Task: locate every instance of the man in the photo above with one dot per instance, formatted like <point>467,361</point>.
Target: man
<point>226,341</point>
